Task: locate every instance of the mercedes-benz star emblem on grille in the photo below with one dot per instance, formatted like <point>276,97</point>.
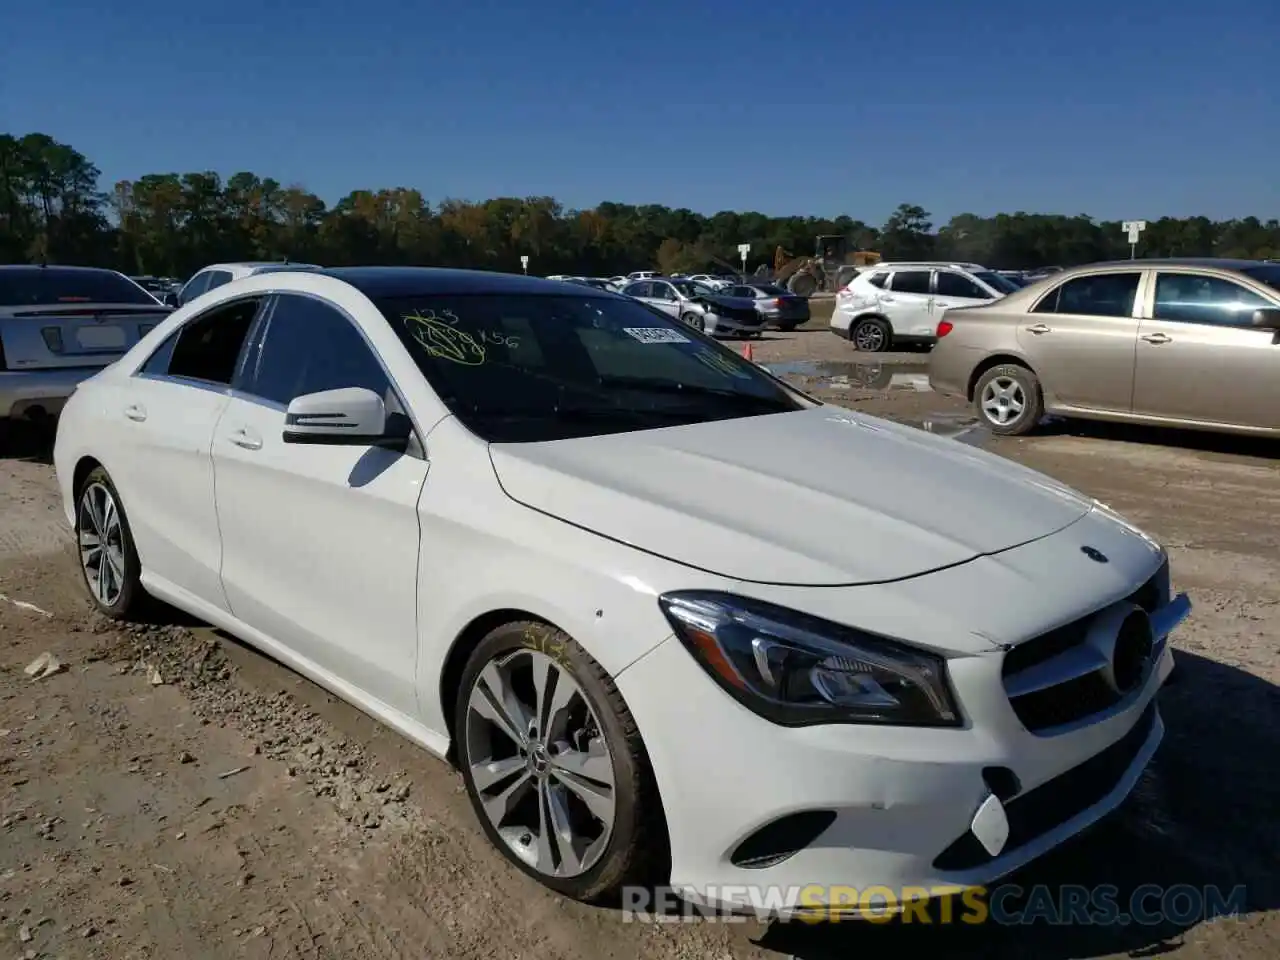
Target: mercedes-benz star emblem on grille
<point>1131,653</point>
<point>1094,554</point>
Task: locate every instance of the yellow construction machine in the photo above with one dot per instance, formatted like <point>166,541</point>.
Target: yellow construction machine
<point>830,268</point>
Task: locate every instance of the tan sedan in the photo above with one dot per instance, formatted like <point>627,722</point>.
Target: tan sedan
<point>1182,343</point>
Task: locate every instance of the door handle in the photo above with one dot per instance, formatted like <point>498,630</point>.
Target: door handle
<point>1039,328</point>
<point>1157,338</point>
<point>249,441</point>
<point>135,412</point>
<point>888,299</point>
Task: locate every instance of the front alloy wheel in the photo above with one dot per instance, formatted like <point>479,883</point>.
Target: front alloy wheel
<point>542,769</point>
<point>554,764</point>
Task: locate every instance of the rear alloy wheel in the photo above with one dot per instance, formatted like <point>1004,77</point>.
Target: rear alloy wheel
<point>108,559</point>
<point>695,320</point>
<point>553,763</point>
<point>1007,399</point>
<point>871,335</point>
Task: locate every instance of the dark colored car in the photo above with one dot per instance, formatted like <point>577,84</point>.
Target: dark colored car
<point>780,308</point>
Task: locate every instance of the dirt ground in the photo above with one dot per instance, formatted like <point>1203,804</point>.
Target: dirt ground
<point>170,793</point>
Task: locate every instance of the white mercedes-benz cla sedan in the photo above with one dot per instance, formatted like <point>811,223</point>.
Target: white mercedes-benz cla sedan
<point>666,614</point>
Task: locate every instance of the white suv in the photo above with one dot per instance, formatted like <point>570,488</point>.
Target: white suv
<point>902,302</point>
<point>216,274</point>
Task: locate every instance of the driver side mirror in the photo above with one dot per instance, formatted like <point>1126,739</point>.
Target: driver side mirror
<point>351,416</point>
<point>1268,318</point>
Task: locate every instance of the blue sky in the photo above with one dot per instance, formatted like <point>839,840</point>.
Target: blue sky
<point>1118,109</point>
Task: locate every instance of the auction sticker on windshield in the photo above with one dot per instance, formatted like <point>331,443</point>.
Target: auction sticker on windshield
<point>656,334</point>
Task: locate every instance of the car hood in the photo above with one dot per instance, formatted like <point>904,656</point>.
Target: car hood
<point>822,496</point>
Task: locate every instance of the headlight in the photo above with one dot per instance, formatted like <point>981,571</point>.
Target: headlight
<point>798,670</point>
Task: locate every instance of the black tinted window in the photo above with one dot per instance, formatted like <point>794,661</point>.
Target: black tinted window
<point>955,285</point>
<point>217,278</point>
<point>1188,298</point>
<point>640,289</point>
<point>195,286</point>
<point>532,368</point>
<point>41,286</point>
<point>310,347</point>
<point>1101,295</point>
<point>911,281</point>
<point>878,280</point>
<point>208,347</point>
<point>1268,273</point>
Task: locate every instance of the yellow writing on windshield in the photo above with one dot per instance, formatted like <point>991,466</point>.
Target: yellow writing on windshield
<point>438,334</point>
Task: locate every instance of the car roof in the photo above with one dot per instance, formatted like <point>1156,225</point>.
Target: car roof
<point>377,282</point>
<point>58,267</point>
<point>1219,263</point>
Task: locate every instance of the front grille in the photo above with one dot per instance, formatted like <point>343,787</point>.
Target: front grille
<point>1053,803</point>
<point>1078,697</point>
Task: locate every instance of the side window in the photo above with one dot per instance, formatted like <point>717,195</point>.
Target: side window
<point>911,281</point>
<point>878,280</point>
<point>217,278</point>
<point>195,286</point>
<point>663,291</point>
<point>956,285</point>
<point>158,363</point>
<point>747,292</point>
<point>1188,298</point>
<point>310,347</point>
<point>208,347</point>
<point>640,289</point>
<point>1100,295</point>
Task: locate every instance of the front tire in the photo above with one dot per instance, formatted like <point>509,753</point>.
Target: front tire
<point>554,764</point>
<point>695,320</point>
<point>1007,400</point>
<point>108,559</point>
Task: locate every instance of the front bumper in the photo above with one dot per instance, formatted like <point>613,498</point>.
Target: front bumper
<point>24,392</point>
<point>904,807</point>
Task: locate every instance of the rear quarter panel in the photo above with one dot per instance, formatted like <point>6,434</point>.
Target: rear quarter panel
<point>980,335</point>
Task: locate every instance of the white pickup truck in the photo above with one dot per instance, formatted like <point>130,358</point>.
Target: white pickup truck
<point>61,325</point>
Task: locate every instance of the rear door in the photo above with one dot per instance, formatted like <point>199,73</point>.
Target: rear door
<point>1080,338</point>
<point>906,302</point>
<point>1198,358</point>
<point>163,419</point>
<point>953,290</point>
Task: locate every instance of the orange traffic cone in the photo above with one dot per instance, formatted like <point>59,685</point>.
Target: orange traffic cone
<point>747,353</point>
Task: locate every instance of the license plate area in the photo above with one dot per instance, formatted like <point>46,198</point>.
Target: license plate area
<point>101,338</point>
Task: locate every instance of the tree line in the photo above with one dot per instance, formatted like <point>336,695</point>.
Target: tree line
<point>54,209</point>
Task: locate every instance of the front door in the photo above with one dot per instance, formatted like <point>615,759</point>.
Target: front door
<point>663,296</point>
<point>320,543</point>
<point>1199,360</point>
<point>1080,340</point>
<point>906,303</point>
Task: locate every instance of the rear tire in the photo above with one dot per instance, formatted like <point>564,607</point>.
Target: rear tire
<point>519,746</point>
<point>871,335</point>
<point>109,561</point>
<point>1008,401</point>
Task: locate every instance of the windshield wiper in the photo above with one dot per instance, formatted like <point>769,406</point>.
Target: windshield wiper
<point>676,388</point>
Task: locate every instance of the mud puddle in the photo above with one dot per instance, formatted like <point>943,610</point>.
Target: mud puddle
<point>846,375</point>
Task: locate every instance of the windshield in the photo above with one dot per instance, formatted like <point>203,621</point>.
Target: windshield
<point>692,288</point>
<point>996,282</point>
<point>46,286</point>
<point>548,367</point>
<point>1268,273</point>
